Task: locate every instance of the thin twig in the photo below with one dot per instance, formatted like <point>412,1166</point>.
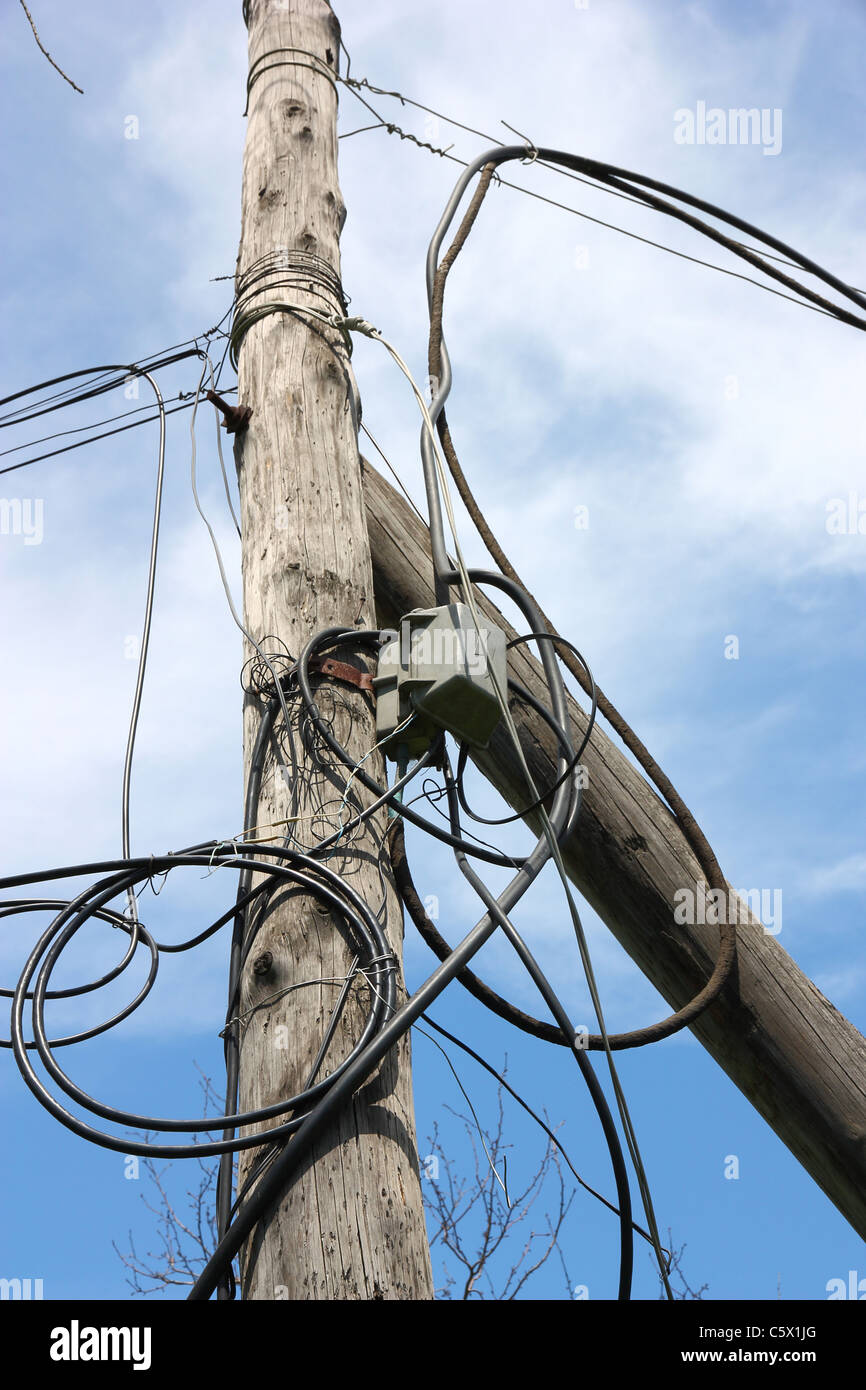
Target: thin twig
<point>47,54</point>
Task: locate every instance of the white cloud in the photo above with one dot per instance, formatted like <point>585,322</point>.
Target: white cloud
<point>848,875</point>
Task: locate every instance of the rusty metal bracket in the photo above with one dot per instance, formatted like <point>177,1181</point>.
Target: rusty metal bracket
<point>236,416</point>
<point>342,671</point>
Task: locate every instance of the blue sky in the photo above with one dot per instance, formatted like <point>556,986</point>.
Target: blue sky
<point>704,424</point>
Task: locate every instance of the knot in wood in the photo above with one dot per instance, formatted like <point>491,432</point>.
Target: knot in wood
<point>263,963</point>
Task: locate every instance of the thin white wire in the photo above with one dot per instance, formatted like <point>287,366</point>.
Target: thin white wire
<point>145,640</point>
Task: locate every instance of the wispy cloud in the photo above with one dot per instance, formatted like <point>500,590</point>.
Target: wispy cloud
<point>846,876</point>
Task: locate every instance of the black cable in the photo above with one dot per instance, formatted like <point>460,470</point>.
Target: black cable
<point>439,367</point>
<point>79,444</point>
<point>446,577</point>
<point>292,868</point>
<point>127,370</point>
<point>551,999</point>
<point>432,792</point>
<point>285,1165</point>
<point>619,178</point>
<point>611,186</point>
<point>240,932</point>
<point>105,379</point>
<point>186,397</point>
<point>551,1134</point>
<point>231,1048</point>
<point>150,362</point>
<point>539,708</point>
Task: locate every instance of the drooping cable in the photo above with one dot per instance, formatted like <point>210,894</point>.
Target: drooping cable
<point>145,638</point>
<point>551,1134</point>
<point>278,866</point>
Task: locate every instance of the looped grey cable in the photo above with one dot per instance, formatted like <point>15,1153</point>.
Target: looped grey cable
<point>317,65</point>
<point>531,147</point>
<point>285,268</point>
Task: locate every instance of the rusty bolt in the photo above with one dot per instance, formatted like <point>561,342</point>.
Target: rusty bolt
<point>236,416</point>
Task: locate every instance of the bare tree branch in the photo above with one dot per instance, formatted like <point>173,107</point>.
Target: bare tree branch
<point>675,1267</point>
<point>474,1244</point>
<point>47,54</point>
<point>469,1220</point>
<point>186,1240</point>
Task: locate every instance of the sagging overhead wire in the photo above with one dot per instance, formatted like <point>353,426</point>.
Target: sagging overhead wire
<point>106,378</point>
<point>92,425</point>
<point>102,380</point>
<point>94,438</point>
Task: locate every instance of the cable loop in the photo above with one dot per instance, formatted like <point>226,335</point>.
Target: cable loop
<point>531,149</point>
<point>285,268</point>
<point>256,70</point>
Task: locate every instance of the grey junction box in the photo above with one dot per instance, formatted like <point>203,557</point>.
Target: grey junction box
<point>440,669</point>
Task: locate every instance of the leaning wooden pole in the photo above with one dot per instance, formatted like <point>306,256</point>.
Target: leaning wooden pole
<point>352,1225</point>
<point>792,1054</point>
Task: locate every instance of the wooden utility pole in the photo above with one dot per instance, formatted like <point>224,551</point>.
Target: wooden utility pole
<point>352,1226</point>
<point>792,1054</point>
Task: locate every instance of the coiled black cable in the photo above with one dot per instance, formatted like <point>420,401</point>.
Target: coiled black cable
<point>278,865</point>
